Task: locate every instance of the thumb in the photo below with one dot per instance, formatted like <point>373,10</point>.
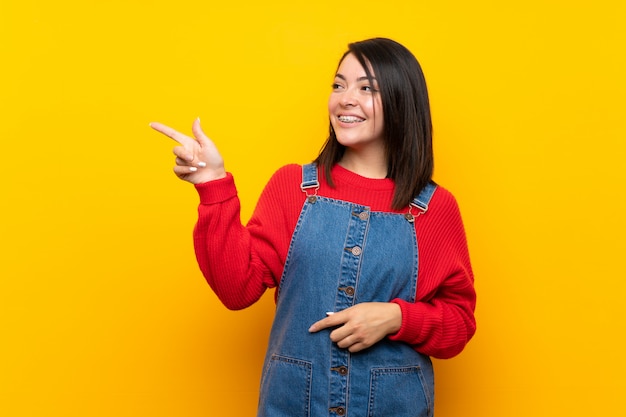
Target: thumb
<point>199,134</point>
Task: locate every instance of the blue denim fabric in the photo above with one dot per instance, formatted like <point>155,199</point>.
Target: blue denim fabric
<point>342,254</point>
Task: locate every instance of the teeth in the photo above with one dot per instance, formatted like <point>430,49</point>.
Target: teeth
<point>350,119</point>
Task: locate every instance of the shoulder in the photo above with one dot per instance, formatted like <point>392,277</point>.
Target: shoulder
<point>282,194</point>
<point>442,225</point>
<point>444,203</point>
<point>286,176</point>
<point>443,196</point>
<point>284,185</point>
<point>289,171</point>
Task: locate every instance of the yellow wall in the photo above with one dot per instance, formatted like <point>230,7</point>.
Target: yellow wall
<point>102,309</point>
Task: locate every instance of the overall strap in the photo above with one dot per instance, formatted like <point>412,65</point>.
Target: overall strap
<point>422,200</point>
<point>309,177</point>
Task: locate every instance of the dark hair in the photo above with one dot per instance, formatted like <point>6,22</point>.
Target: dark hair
<point>406,117</point>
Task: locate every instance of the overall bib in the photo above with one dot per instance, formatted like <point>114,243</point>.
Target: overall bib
<point>342,254</point>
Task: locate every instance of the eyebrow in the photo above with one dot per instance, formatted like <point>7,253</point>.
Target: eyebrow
<point>358,79</point>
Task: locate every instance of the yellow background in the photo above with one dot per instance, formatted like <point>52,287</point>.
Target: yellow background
<point>103,311</point>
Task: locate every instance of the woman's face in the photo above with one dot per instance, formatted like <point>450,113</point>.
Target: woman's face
<point>355,107</point>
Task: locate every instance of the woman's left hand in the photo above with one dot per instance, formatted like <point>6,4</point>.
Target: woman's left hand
<point>361,325</point>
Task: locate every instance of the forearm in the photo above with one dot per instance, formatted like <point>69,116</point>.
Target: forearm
<point>224,248</point>
<point>440,327</point>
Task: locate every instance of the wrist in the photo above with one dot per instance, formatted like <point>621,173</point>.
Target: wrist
<point>395,318</point>
<point>210,176</point>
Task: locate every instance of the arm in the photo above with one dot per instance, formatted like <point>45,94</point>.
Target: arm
<point>224,247</point>
<point>441,322</point>
<point>238,262</point>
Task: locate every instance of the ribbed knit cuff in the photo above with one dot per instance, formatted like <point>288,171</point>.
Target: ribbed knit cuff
<point>217,191</point>
<point>412,322</point>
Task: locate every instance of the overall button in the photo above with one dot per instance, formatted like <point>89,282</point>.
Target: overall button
<point>340,411</point>
<point>312,199</point>
<point>342,370</point>
<point>356,251</point>
<point>364,215</point>
<point>347,290</point>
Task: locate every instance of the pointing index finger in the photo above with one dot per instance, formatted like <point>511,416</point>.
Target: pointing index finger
<point>172,133</point>
<point>331,320</point>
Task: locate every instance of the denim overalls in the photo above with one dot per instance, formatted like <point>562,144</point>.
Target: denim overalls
<point>342,254</point>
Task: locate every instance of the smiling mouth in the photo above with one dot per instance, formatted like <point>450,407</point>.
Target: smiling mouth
<point>350,119</point>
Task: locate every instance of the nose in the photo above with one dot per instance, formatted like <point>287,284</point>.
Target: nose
<point>348,98</point>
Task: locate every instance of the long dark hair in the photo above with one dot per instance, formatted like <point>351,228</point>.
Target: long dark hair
<point>406,117</point>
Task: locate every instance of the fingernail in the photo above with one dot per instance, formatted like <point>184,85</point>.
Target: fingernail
<point>328,313</point>
<point>201,164</point>
<point>193,169</point>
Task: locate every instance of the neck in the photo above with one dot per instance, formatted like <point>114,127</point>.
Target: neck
<point>365,165</point>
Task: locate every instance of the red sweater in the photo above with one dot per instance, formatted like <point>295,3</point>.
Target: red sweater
<point>241,262</point>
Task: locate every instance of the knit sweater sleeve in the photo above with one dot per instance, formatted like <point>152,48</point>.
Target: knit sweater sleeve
<point>441,322</point>
<point>240,262</point>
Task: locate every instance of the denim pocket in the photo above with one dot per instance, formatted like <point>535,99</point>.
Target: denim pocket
<point>285,388</point>
<point>399,392</point>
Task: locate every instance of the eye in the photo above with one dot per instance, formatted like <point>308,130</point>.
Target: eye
<point>369,89</point>
<point>336,86</point>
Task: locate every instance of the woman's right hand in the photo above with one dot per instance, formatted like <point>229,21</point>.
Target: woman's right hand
<point>197,158</point>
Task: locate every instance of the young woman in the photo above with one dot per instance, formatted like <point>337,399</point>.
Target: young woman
<point>368,256</point>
